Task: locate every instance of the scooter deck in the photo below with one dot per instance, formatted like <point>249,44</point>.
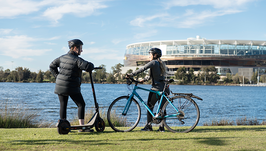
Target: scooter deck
<point>90,124</point>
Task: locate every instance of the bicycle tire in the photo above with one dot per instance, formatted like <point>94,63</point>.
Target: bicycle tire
<point>123,123</point>
<point>181,124</point>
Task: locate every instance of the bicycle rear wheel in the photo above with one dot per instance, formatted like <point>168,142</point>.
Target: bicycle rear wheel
<point>181,123</point>
<point>120,122</point>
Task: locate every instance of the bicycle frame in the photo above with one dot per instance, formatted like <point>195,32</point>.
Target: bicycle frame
<point>159,93</point>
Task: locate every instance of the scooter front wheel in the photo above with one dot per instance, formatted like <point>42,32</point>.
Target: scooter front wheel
<point>99,125</point>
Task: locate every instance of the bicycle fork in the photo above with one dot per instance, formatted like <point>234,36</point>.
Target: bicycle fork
<point>129,100</point>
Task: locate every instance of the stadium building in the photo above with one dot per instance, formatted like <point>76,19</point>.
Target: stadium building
<point>228,56</point>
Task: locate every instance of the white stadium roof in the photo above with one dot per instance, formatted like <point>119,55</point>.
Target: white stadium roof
<point>198,41</point>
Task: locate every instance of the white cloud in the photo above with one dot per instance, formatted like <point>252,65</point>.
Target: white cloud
<point>65,49</point>
<point>19,46</point>
<point>140,21</point>
<point>27,59</point>
<point>214,3</point>
<point>54,38</point>
<point>55,13</point>
<point>102,54</point>
<point>5,31</point>
<point>145,34</point>
<point>50,43</point>
<point>54,10</point>
<point>191,17</point>
<point>11,8</point>
<point>117,41</point>
<point>92,42</point>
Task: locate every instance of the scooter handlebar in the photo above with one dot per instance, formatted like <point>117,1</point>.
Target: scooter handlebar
<point>95,68</point>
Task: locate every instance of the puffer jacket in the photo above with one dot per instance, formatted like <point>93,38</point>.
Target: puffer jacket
<point>68,77</point>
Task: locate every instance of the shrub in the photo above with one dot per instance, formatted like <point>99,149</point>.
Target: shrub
<point>245,121</point>
<point>103,113</point>
<point>239,121</point>
<point>17,117</point>
<point>222,122</point>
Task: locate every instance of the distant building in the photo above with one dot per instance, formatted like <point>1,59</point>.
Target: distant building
<point>228,56</point>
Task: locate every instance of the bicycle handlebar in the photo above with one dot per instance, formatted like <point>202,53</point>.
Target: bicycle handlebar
<point>132,79</point>
<point>136,81</point>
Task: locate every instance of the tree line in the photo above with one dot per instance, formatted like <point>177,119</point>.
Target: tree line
<point>209,75</point>
<point>206,75</point>
<point>21,74</point>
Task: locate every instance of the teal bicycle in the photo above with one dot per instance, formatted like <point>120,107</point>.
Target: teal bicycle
<point>179,114</point>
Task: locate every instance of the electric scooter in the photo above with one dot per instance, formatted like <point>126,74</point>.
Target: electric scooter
<point>64,127</point>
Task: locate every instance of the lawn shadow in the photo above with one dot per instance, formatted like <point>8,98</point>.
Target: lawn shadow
<point>202,129</point>
<point>215,141</point>
<point>58,141</point>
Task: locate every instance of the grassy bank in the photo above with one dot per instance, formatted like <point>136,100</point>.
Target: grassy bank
<point>19,116</point>
<point>201,138</point>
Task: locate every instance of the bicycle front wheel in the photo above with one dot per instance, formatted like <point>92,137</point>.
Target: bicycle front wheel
<point>184,122</point>
<point>126,122</point>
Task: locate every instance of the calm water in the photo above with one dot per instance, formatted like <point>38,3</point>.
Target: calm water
<point>219,102</point>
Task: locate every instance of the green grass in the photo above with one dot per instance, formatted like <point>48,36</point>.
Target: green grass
<point>201,138</point>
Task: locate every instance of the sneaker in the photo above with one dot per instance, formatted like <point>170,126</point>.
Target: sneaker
<point>86,130</point>
<point>161,129</point>
<point>147,128</point>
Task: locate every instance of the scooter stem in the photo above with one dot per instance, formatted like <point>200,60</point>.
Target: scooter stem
<point>94,95</point>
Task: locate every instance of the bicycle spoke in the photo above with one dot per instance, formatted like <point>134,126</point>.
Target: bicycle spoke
<point>123,122</point>
<point>188,119</point>
<point>186,104</point>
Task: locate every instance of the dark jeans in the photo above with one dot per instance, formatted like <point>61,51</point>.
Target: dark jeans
<point>152,99</point>
<point>78,99</point>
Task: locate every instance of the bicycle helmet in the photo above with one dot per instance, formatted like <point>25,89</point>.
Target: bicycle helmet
<point>156,51</point>
<point>74,42</point>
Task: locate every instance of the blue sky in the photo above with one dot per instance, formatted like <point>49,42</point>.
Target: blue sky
<point>34,32</point>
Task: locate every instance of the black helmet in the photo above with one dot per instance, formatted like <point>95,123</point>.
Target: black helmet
<point>74,42</point>
<point>156,51</point>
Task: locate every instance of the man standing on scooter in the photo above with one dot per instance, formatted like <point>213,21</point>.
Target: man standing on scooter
<point>68,78</point>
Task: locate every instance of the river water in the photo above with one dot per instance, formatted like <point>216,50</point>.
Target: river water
<point>219,102</point>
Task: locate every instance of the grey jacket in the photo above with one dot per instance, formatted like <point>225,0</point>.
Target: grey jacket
<point>155,74</point>
<point>68,78</point>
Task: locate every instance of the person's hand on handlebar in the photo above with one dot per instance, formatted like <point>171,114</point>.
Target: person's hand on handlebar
<point>128,75</point>
<point>141,81</point>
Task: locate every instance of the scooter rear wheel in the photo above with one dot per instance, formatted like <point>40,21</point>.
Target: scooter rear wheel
<point>63,127</point>
<point>99,125</point>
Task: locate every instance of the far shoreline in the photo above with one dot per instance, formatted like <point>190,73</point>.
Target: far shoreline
<point>245,85</point>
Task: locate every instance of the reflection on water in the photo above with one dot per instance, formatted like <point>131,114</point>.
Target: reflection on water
<point>219,102</point>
